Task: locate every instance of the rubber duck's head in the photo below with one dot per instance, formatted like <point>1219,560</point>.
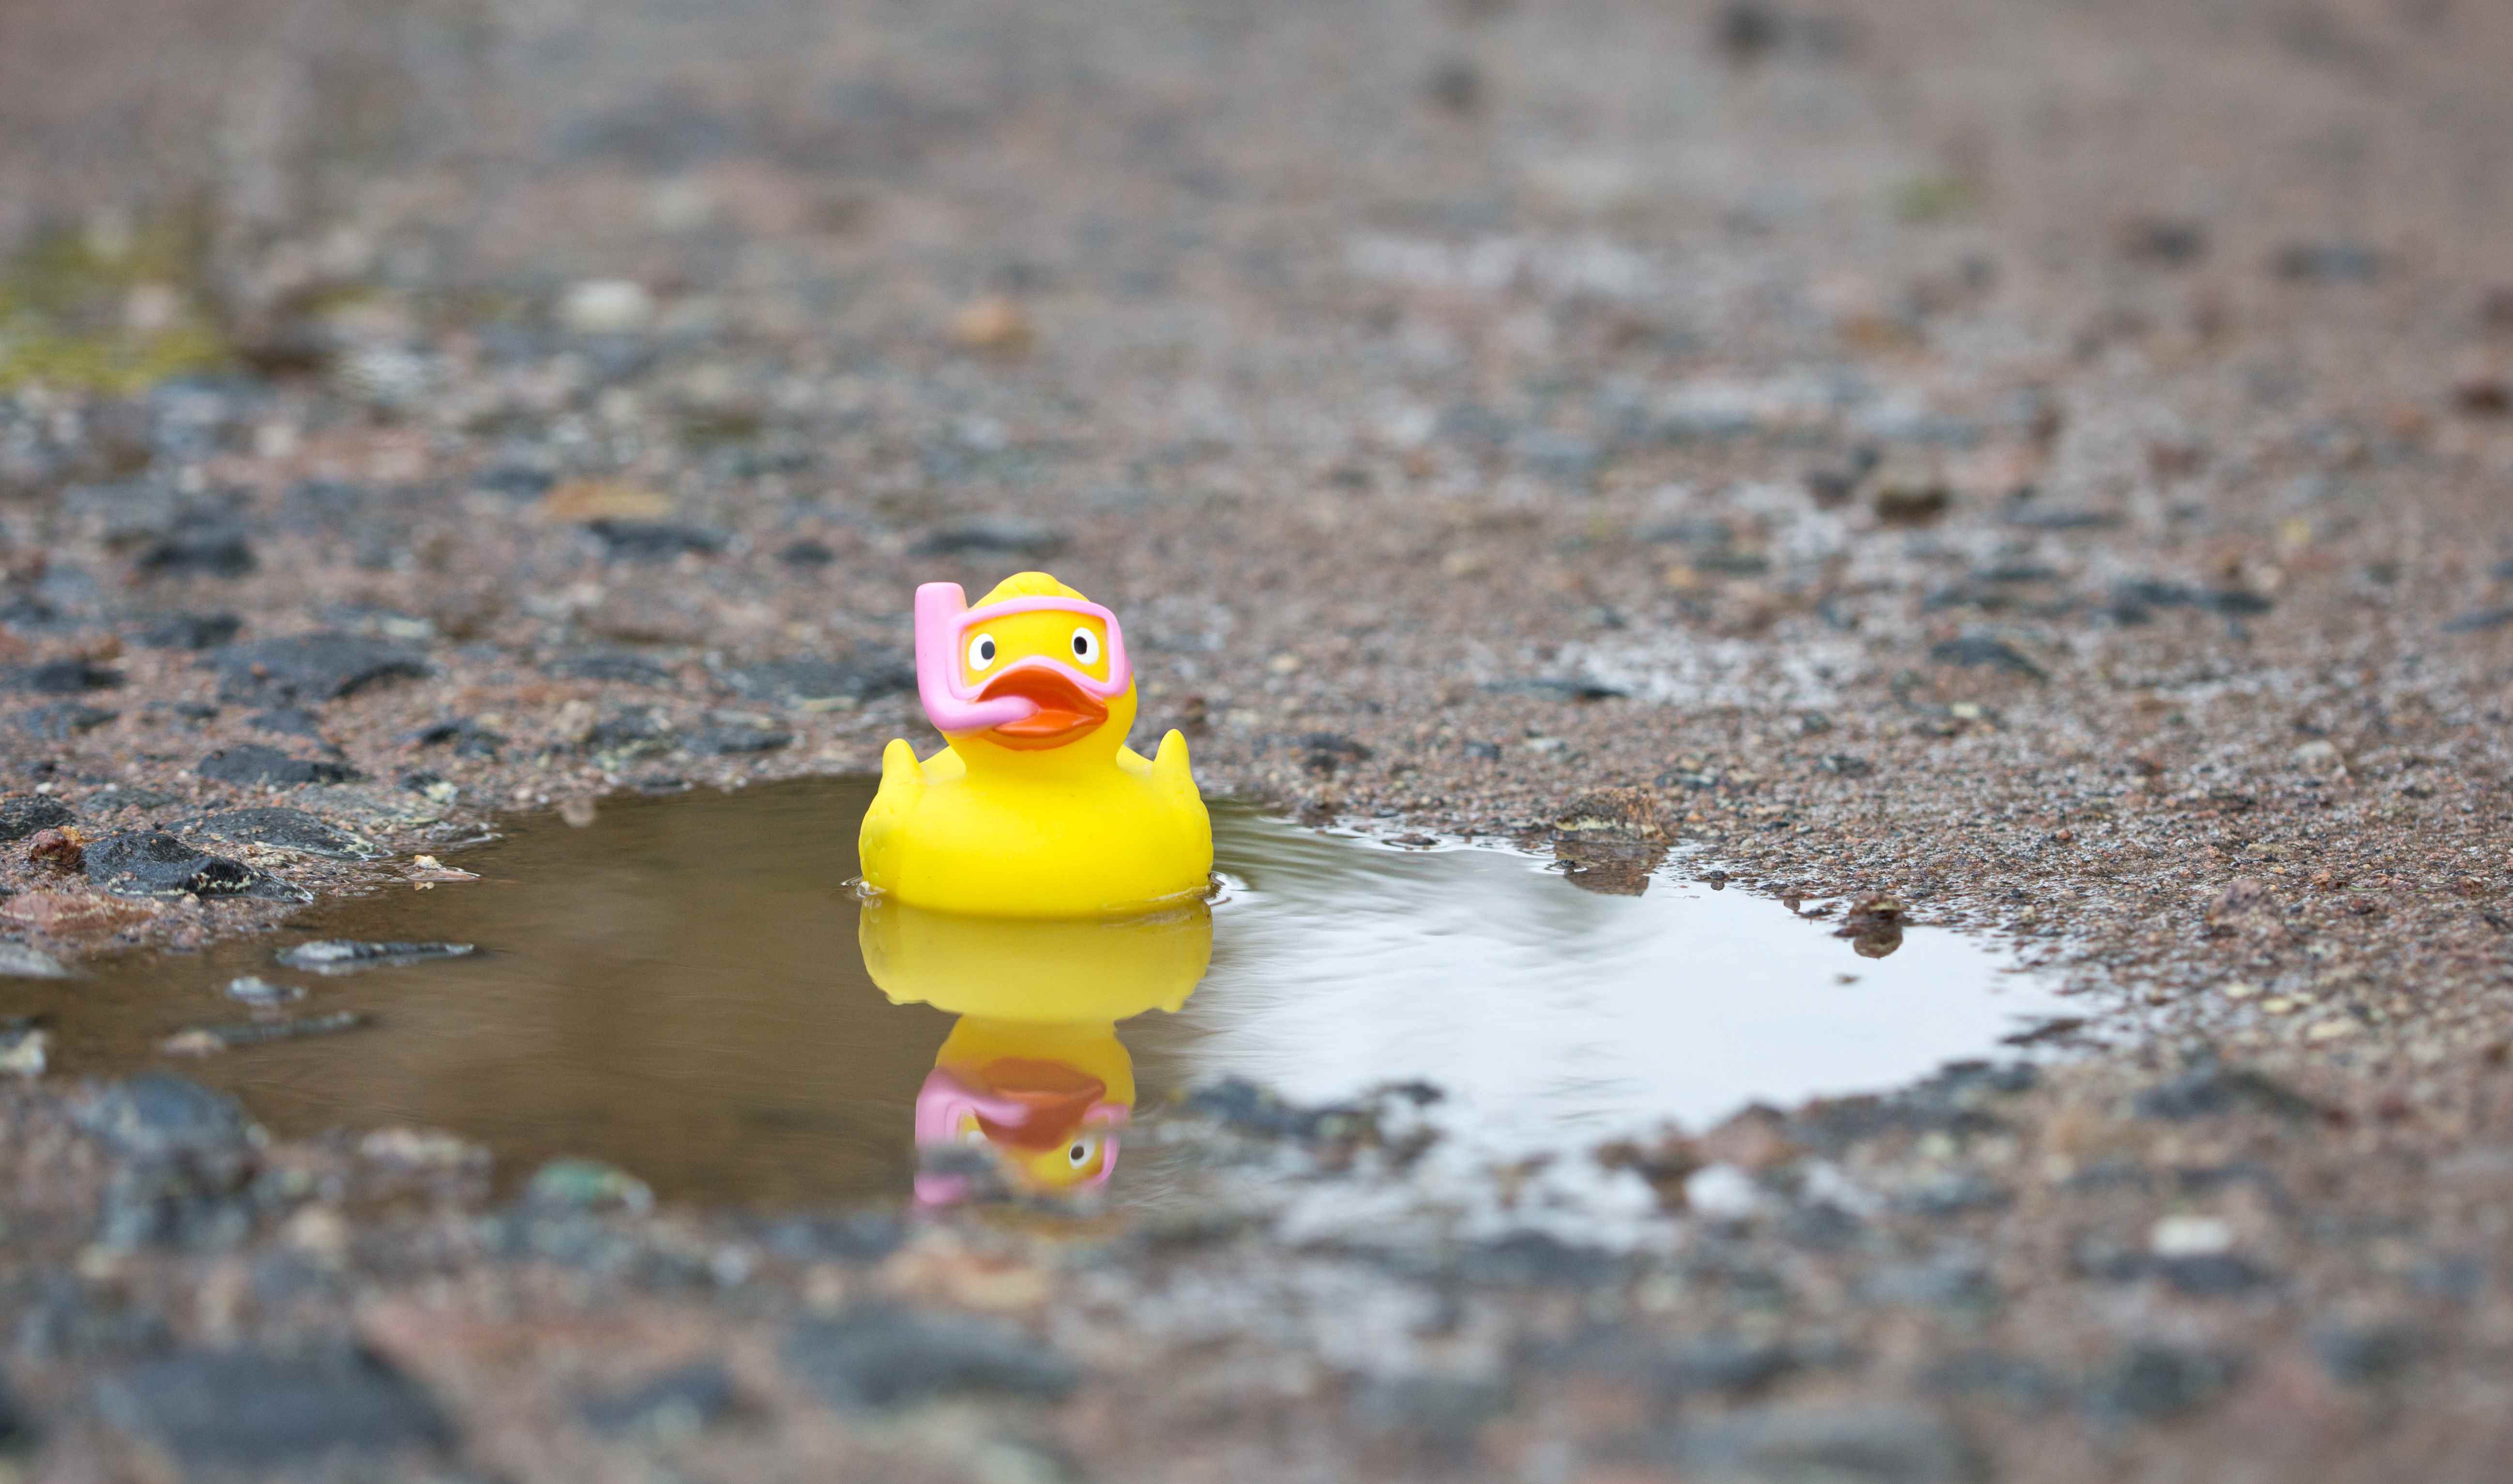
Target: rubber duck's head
<point>1034,671</point>
<point>1044,1104</point>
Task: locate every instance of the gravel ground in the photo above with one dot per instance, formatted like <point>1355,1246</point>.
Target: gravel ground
<point>2041,463</point>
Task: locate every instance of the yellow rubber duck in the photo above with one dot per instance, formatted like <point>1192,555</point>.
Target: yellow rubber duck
<point>1033,1072</point>
<point>1037,807</point>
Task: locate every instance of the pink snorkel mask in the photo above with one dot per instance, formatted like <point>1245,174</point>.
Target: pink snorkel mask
<point>943,623</point>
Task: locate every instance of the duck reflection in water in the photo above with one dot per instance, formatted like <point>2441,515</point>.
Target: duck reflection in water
<point>1032,1090</point>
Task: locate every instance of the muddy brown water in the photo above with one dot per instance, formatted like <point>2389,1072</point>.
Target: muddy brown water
<point>686,987</point>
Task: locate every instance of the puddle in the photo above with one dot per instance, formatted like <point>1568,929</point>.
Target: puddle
<point>682,987</point>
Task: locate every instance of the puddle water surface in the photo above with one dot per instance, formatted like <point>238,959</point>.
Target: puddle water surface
<point>684,987</point>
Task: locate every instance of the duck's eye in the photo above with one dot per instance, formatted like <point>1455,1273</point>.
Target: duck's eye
<point>1086,646</point>
<point>981,652</point>
<point>1078,1155</point>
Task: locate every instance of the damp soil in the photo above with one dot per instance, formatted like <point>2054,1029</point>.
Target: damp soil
<point>682,986</point>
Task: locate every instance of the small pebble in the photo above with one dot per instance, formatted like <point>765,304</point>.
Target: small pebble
<point>253,990</point>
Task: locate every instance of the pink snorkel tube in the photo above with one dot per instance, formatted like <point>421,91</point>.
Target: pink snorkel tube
<point>943,619</point>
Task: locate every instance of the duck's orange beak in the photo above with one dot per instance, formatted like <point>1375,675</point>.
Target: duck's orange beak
<point>1063,711</point>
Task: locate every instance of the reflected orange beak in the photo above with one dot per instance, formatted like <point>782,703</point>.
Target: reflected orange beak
<point>1053,1098</point>
<point>1063,711</point>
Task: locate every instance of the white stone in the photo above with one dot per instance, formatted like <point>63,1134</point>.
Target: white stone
<point>1722,1193</point>
<point>606,306</point>
<point>2190,1236</point>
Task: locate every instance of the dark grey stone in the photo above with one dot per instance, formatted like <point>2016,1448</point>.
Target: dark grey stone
<point>1955,1193</point>
<point>199,1200</point>
<point>2025,1384</point>
<point>31,615</point>
<point>63,720</point>
<point>1947,1281</point>
<point>290,829</point>
<point>200,545</point>
<point>2364,1355</point>
<point>860,1236</point>
<point>19,1434</point>
<point>1442,1412</point>
<point>2033,516</point>
<point>2456,1276</point>
<point>680,1401</point>
<point>1822,1226</point>
<point>2332,262</point>
<point>2155,1383</point>
<point>631,669</point>
<point>1974,650</point>
<point>23,814</point>
<point>735,738</point>
<point>1557,688</point>
<point>1559,455</point>
<point>1721,1364</point>
<point>2479,620</point>
<point>1537,1259</point>
<point>152,1115</point>
<point>468,738</point>
<point>1828,1445</point>
<point>255,763</point>
<point>654,540</point>
<point>627,736</point>
<point>289,721</point>
<point>68,1320</point>
<point>1324,753</point>
<point>124,796</point>
<point>991,538</point>
<point>2214,1091</point>
<point>879,1356</point>
<point>236,1033</point>
<point>1249,1108</point>
<point>809,683</point>
<point>2129,599</point>
<point>808,554</point>
<point>2174,242</point>
<point>347,955</point>
<point>325,665</point>
<point>516,482</point>
<point>151,863</point>
<point>247,1409</point>
<point>190,631</point>
<point>1727,1365</point>
<point>2213,1274</point>
<point>66,677</point>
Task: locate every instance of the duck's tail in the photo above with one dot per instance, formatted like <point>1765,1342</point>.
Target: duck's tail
<point>903,783</point>
<point>1170,771</point>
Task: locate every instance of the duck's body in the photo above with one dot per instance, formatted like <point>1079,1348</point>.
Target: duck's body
<point>1043,811</point>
